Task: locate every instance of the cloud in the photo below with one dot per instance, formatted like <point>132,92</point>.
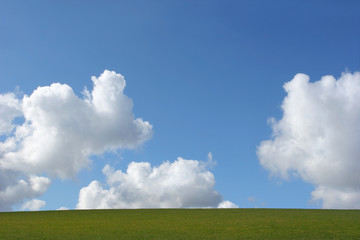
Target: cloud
<point>33,205</point>
<point>62,208</point>
<point>10,108</point>
<point>227,204</point>
<point>61,131</point>
<point>15,187</point>
<point>211,161</point>
<point>318,138</point>
<point>180,184</point>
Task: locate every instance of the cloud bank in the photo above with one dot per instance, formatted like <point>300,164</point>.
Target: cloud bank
<point>60,132</point>
<point>180,184</point>
<point>318,138</point>
<point>56,133</point>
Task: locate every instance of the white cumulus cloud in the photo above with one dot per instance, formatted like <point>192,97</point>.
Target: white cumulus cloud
<point>318,138</point>
<point>227,204</point>
<point>33,205</point>
<point>15,187</point>
<point>179,184</point>
<point>61,131</point>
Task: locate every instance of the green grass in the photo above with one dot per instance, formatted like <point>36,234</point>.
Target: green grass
<point>197,224</point>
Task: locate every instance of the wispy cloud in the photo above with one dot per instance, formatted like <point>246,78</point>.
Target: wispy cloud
<point>62,208</point>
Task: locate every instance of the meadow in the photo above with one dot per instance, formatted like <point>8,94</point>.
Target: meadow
<point>182,224</point>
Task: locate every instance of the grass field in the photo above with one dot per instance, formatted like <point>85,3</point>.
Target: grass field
<point>197,224</point>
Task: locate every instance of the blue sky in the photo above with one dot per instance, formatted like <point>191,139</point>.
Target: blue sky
<point>207,75</point>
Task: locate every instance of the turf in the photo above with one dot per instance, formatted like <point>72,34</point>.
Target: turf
<point>182,224</point>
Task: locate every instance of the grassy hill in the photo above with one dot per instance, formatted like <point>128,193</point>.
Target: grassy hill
<point>182,224</point>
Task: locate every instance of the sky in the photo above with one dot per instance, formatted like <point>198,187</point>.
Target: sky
<point>177,104</point>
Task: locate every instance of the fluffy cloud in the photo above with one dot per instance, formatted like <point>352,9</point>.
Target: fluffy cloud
<point>15,187</point>
<point>33,205</point>
<point>318,138</point>
<point>227,204</point>
<point>180,184</point>
<point>61,131</point>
